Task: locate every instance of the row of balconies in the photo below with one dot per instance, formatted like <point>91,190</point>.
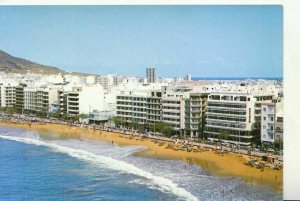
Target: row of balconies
<point>226,105</point>
<point>225,125</point>
<point>226,108</point>
<point>224,119</point>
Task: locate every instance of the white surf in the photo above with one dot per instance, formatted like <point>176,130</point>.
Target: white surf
<point>166,184</point>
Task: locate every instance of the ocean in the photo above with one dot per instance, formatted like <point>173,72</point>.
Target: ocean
<point>33,167</point>
<point>237,78</point>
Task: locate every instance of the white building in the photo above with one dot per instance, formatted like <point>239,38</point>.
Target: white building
<point>173,109</point>
<point>268,112</point>
<point>232,116</point>
<point>106,81</point>
<point>84,99</point>
<point>8,94</point>
<point>271,123</point>
<point>39,99</point>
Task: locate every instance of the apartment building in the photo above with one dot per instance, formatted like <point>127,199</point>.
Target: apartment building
<point>195,114</point>
<point>39,99</point>
<point>132,106</point>
<point>154,107</point>
<point>271,123</point>
<point>173,109</point>
<point>62,101</point>
<point>279,125</point>
<point>117,80</point>
<point>82,99</point>
<point>161,106</point>
<point>268,113</point>
<point>8,95</point>
<point>20,98</point>
<point>105,81</point>
<point>231,116</point>
<point>151,75</point>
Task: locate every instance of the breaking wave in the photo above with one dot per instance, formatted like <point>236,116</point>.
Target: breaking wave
<point>164,184</point>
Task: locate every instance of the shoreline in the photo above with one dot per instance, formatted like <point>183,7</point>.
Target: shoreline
<point>230,164</point>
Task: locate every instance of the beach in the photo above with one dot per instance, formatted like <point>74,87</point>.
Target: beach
<point>229,164</point>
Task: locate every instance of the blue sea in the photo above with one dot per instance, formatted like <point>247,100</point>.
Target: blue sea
<point>237,78</point>
<point>33,167</point>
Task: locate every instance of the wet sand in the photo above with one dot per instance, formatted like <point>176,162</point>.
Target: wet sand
<point>230,164</point>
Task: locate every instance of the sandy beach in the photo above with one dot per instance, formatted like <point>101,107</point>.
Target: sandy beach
<point>229,164</point>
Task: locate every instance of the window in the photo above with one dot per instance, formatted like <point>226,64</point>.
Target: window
<point>264,109</point>
<point>243,98</point>
<point>280,119</point>
<point>272,118</point>
<point>264,118</point>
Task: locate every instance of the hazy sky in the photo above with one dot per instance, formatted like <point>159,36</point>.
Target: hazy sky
<point>205,41</point>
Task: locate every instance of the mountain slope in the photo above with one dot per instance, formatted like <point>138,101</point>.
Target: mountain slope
<point>11,64</point>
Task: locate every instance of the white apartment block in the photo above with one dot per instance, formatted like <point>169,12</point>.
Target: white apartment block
<point>7,95</point>
<point>154,106</point>
<point>106,81</point>
<point>195,111</point>
<point>39,99</point>
<point>234,115</point>
<point>268,122</point>
<point>83,99</point>
<point>271,123</point>
<point>173,109</point>
<point>131,106</point>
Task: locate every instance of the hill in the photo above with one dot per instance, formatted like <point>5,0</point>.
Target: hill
<point>11,64</point>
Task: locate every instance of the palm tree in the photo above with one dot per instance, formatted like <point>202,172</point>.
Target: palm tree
<point>117,120</point>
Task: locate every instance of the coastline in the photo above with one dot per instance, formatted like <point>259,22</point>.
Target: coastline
<point>230,164</point>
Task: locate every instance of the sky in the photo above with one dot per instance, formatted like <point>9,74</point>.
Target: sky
<point>204,41</point>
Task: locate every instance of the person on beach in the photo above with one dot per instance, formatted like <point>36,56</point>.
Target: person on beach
<point>112,142</point>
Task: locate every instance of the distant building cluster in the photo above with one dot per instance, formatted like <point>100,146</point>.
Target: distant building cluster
<point>234,111</point>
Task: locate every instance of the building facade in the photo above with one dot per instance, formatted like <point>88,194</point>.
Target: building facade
<point>7,95</point>
<point>151,75</point>
<point>230,117</point>
<point>195,114</point>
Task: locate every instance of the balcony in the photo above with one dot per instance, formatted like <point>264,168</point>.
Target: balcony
<point>227,126</point>
<point>175,111</point>
<point>226,108</point>
<point>226,114</point>
<point>171,122</point>
<point>171,116</point>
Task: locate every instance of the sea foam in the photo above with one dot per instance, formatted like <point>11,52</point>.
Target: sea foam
<point>166,185</point>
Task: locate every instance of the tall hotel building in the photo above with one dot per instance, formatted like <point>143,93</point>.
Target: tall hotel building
<point>195,114</point>
<point>233,115</point>
<point>151,75</point>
